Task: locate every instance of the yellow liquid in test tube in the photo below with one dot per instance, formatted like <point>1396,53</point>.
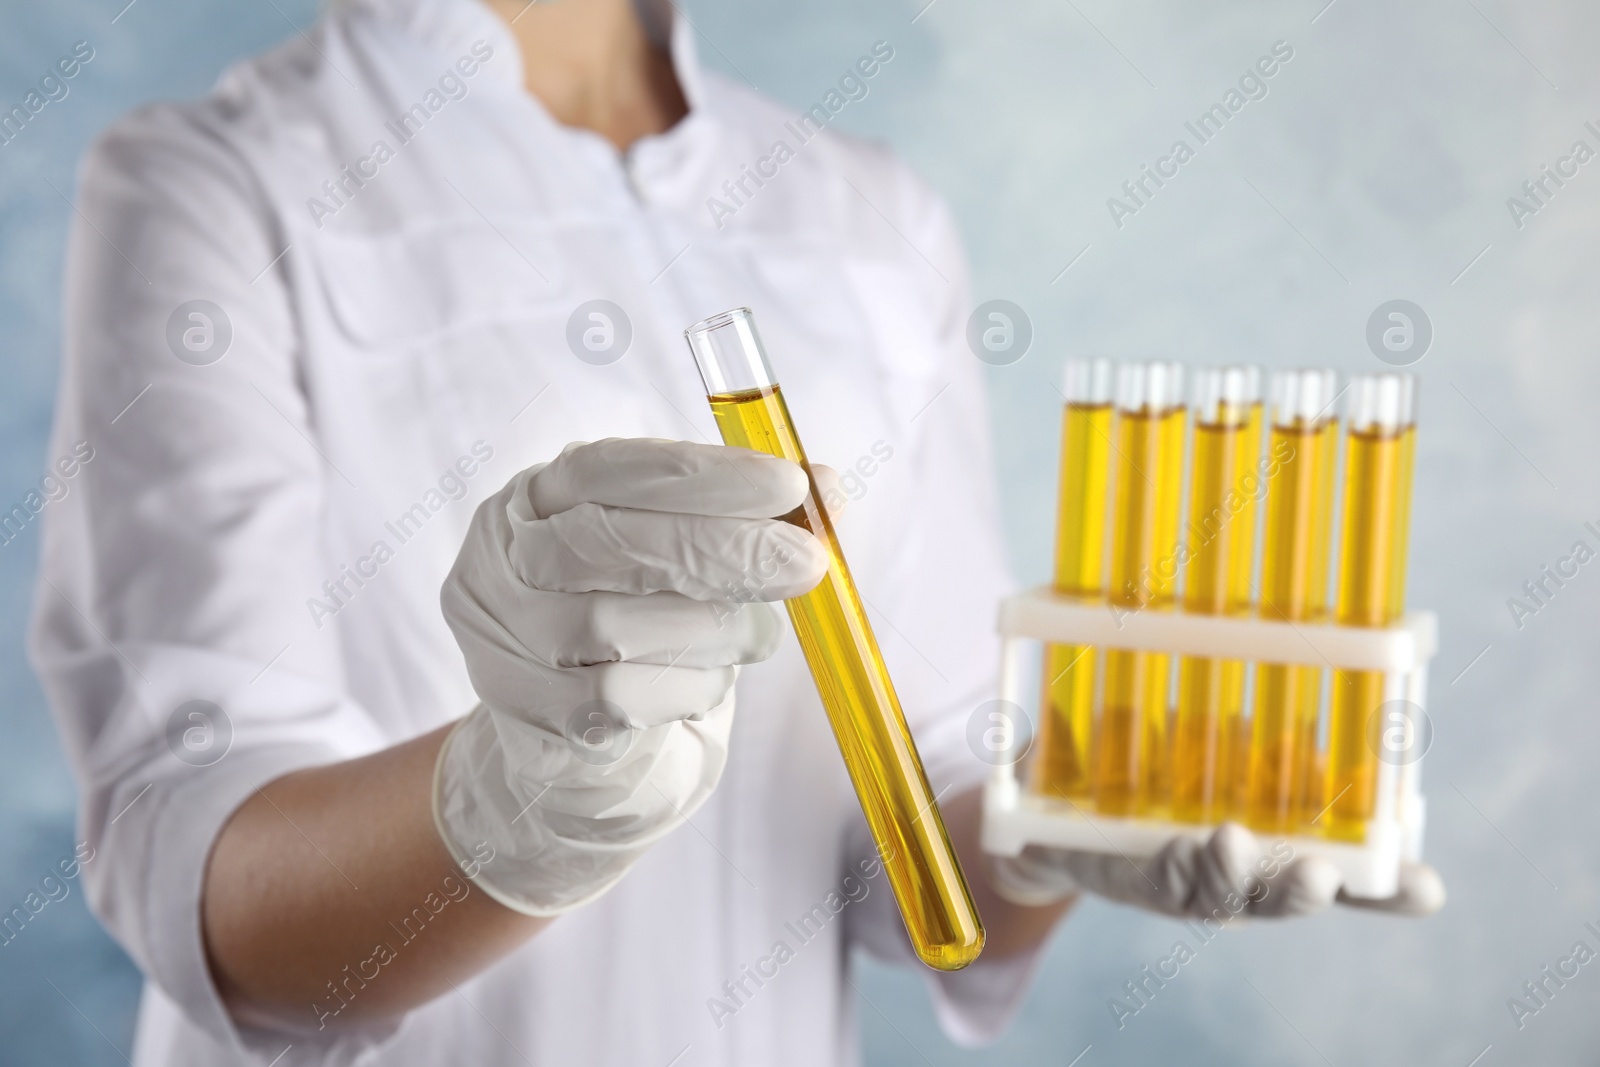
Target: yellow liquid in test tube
<point>1241,568</point>
<point>1296,537</point>
<point>1131,758</point>
<point>861,703</point>
<point>1310,772</point>
<point>1242,593</point>
<point>1062,766</point>
<point>1208,736</point>
<point>1371,578</point>
<point>1402,514</point>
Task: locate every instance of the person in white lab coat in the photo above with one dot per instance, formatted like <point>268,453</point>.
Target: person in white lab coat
<point>329,334</point>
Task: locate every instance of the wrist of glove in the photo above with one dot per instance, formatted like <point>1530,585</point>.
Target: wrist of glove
<point>603,604</point>
<point>1228,874</point>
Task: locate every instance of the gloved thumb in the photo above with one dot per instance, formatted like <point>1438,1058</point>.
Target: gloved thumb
<point>830,489</point>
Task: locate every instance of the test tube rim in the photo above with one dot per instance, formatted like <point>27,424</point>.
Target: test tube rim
<point>720,319</point>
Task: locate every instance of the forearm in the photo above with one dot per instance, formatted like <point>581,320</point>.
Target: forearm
<point>1008,928</point>
<point>329,897</point>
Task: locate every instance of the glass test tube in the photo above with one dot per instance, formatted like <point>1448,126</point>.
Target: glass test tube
<point>1402,518</point>
<point>1224,483</point>
<point>1130,750</point>
<point>1066,721</point>
<point>1294,588</point>
<point>846,665</point>
<point>1379,417</point>
<point>1402,511</point>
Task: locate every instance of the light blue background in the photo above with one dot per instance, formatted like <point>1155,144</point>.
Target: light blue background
<point>1377,167</point>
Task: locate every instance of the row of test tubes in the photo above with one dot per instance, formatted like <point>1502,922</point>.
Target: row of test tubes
<point>1167,504</point>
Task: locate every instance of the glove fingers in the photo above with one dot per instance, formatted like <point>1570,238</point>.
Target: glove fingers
<point>660,773</point>
<point>1227,865</point>
<point>1306,886</point>
<point>1032,879</point>
<point>644,695</point>
<point>591,548</point>
<point>583,629</point>
<point>575,700</point>
<point>1160,883</point>
<point>676,476</point>
<point>1421,892</point>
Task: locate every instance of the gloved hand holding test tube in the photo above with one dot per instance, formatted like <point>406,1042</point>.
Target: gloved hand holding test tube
<point>849,671</point>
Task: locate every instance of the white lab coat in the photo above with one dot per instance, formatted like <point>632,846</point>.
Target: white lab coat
<point>398,351</point>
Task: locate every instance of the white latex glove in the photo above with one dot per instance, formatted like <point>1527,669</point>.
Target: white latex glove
<point>1226,875</point>
<point>603,603</point>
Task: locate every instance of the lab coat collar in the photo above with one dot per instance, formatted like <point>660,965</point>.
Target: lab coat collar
<point>453,25</point>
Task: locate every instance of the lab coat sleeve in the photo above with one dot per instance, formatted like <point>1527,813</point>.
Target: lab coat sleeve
<point>170,625</point>
<point>939,616</point>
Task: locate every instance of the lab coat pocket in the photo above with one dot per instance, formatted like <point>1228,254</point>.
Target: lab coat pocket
<point>422,284</point>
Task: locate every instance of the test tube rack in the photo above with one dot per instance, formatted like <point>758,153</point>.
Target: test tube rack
<point>1014,817</point>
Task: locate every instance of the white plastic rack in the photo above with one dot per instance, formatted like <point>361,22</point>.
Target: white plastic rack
<point>1014,817</point>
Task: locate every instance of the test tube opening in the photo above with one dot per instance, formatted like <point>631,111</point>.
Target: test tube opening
<point>729,354</point>
<point>1223,395</point>
<point>1304,397</point>
<point>1381,403</point>
<point>1088,382</point>
<point>1152,387</point>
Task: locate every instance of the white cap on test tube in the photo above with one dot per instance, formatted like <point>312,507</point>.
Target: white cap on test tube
<point>1087,381</point>
<point>1381,403</point>
<point>1223,396</point>
<point>1154,386</point>
<point>1304,397</point>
